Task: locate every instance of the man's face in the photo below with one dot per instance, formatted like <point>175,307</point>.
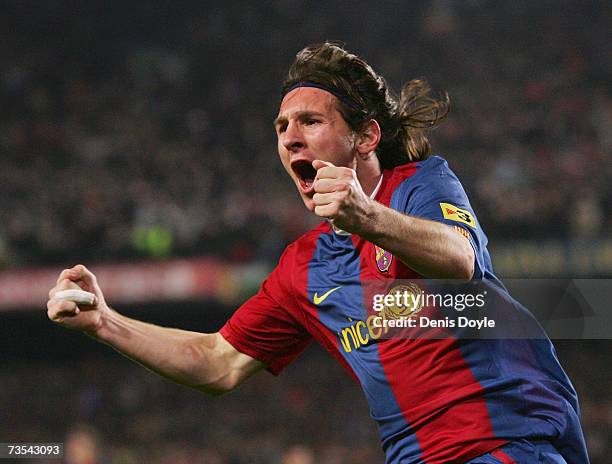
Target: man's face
<point>309,127</point>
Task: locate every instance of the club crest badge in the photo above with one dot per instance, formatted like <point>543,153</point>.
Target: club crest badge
<point>383,259</point>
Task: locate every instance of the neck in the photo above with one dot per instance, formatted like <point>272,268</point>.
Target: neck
<point>368,173</point>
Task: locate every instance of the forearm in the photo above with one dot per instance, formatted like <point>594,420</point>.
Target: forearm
<point>190,358</point>
<point>203,361</point>
<point>430,248</point>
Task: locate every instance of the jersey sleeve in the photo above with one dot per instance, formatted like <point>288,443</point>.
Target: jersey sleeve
<point>264,328</point>
<point>435,193</point>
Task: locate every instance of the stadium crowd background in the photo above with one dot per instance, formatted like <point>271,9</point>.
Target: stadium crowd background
<point>161,120</point>
<point>130,132</point>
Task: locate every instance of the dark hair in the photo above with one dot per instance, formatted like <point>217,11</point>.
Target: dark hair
<point>403,123</point>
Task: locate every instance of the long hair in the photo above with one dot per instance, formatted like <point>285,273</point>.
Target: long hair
<point>403,123</point>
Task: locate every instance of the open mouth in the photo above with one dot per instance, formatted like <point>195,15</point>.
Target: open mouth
<point>305,173</point>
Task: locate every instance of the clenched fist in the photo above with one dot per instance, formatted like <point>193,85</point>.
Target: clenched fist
<point>87,318</point>
<point>339,197</point>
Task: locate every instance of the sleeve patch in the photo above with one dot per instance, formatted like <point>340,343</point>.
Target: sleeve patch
<point>457,214</point>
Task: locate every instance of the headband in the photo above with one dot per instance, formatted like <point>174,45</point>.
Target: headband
<point>340,96</point>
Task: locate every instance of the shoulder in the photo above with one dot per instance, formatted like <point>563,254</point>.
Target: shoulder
<point>305,244</point>
<point>312,234</point>
<point>433,169</point>
<point>423,181</point>
<point>287,276</point>
<point>435,174</point>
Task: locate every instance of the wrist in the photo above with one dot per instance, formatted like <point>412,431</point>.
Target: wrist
<point>101,326</point>
<point>369,226</point>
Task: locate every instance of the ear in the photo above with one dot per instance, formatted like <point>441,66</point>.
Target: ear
<point>368,138</point>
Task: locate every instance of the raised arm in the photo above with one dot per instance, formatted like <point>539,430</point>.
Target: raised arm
<point>206,362</point>
<point>431,248</point>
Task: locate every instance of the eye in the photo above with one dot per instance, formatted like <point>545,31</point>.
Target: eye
<point>312,122</point>
<point>281,128</point>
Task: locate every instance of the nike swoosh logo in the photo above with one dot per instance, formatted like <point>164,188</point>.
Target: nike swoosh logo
<point>319,299</point>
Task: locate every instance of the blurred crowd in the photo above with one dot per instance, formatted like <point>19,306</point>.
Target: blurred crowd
<point>108,411</point>
<point>145,132</point>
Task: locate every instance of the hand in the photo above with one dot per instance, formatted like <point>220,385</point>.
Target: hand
<point>87,318</point>
<point>339,197</point>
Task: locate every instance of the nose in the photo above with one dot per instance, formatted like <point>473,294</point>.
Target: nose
<point>292,138</point>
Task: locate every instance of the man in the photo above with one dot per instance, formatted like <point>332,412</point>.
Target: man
<point>359,159</point>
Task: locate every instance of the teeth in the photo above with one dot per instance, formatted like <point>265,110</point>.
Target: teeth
<point>306,183</point>
<point>305,174</point>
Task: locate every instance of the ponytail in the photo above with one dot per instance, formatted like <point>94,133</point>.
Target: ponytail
<point>418,112</point>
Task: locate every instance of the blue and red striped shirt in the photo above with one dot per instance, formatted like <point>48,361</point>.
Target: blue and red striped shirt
<point>435,400</point>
